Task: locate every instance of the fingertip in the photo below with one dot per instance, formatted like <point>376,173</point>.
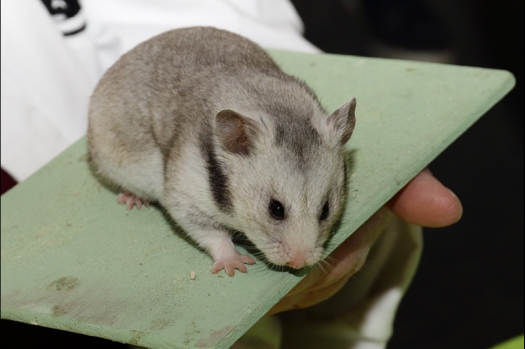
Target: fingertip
<point>448,209</point>
<point>427,202</point>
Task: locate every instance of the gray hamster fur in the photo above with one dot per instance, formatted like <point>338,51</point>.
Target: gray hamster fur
<point>204,122</point>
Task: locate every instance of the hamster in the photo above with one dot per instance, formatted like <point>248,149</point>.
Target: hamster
<point>204,122</point>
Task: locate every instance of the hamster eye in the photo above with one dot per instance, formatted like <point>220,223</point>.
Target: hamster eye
<point>324,212</point>
<point>276,210</point>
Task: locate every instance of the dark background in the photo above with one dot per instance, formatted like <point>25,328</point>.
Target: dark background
<point>468,291</point>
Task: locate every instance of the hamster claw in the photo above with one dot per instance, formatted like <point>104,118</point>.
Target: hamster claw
<point>229,265</point>
<point>131,200</point>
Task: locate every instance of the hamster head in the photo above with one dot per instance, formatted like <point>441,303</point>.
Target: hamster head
<point>286,180</point>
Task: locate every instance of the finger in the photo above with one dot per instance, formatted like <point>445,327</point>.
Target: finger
<point>287,303</point>
<point>425,201</point>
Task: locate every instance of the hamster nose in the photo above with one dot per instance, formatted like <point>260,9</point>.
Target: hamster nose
<point>298,261</point>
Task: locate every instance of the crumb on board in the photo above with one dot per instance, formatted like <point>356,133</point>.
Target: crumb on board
<point>33,323</point>
<point>192,275</point>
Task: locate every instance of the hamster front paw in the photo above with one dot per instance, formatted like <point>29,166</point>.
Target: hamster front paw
<point>131,200</point>
<point>231,263</point>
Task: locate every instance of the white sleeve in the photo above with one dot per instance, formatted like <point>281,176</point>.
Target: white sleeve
<point>47,78</point>
<point>45,90</point>
<point>270,23</point>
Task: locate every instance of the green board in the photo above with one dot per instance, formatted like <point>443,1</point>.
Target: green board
<point>514,343</point>
<point>73,259</point>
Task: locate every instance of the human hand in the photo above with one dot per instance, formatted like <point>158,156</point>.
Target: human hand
<point>423,201</point>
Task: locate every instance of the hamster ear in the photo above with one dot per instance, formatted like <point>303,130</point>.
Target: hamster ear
<point>342,121</point>
<point>235,132</point>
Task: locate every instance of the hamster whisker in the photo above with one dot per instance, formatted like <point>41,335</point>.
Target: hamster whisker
<point>330,259</point>
<point>322,267</point>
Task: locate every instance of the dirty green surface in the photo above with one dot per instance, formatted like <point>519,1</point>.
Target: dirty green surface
<point>72,259</point>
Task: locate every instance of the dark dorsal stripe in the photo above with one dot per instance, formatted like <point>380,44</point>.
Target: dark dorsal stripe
<point>295,135</point>
<point>216,176</point>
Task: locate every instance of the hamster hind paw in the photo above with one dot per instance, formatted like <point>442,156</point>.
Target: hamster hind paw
<point>131,200</point>
<point>229,265</point>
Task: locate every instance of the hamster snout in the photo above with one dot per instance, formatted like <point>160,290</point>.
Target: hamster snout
<point>298,258</point>
<point>291,254</point>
